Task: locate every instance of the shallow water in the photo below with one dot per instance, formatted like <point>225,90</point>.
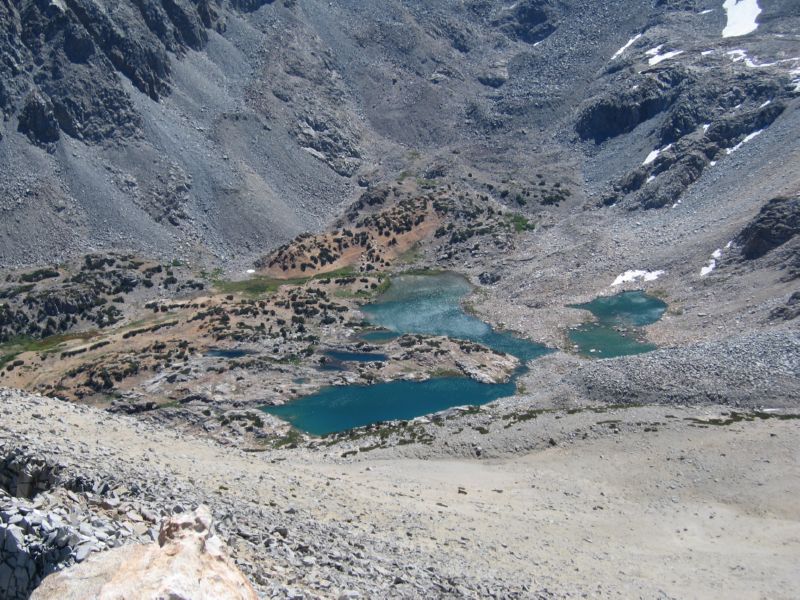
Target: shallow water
<point>378,336</point>
<point>617,329</point>
<point>334,360</point>
<point>423,304</point>
<point>431,304</point>
<point>222,353</point>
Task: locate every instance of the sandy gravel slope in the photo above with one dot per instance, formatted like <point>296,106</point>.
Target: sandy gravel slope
<point>684,512</point>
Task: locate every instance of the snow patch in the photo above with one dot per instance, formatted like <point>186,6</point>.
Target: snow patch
<point>629,43</point>
<point>656,57</point>
<point>767,103</point>
<point>706,126</point>
<point>712,262</point>
<point>737,55</point>
<point>744,141</point>
<point>740,55</point>
<point>651,178</point>
<point>250,271</point>
<point>705,12</point>
<point>654,154</point>
<point>741,15</point>
<point>631,276</point>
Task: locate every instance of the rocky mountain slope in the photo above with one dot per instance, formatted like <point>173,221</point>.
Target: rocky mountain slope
<point>641,501</point>
<point>215,130</point>
<point>197,197</point>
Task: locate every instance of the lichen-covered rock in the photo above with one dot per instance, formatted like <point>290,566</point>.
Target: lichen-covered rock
<point>189,562</point>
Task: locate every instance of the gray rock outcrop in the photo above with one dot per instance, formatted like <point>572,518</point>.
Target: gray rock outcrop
<point>188,562</point>
<point>777,222</point>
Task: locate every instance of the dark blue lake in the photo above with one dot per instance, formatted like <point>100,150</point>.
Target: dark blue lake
<point>344,407</point>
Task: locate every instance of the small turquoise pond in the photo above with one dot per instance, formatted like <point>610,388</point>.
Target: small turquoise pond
<point>431,304</point>
<point>222,353</point>
<point>379,336</point>
<point>334,360</point>
<point>424,304</point>
<point>617,329</point>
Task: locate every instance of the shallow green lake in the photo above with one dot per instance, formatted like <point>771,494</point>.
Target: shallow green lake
<point>616,330</point>
<point>424,304</point>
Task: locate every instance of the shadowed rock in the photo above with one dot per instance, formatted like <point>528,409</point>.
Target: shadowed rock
<point>777,222</point>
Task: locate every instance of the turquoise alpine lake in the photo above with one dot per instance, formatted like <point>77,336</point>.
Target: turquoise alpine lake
<point>421,304</point>
<point>345,407</point>
<point>431,305</point>
<point>617,328</point>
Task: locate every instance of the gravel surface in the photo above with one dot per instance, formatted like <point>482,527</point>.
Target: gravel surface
<point>632,502</point>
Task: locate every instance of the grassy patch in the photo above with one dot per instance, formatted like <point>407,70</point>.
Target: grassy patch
<point>291,440</point>
<point>12,349</point>
<point>520,223</point>
<point>27,344</point>
<point>426,184</point>
<point>260,285</point>
<point>423,271</point>
<point>413,255</point>
<point>383,285</point>
<point>255,286</point>
<point>436,373</point>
